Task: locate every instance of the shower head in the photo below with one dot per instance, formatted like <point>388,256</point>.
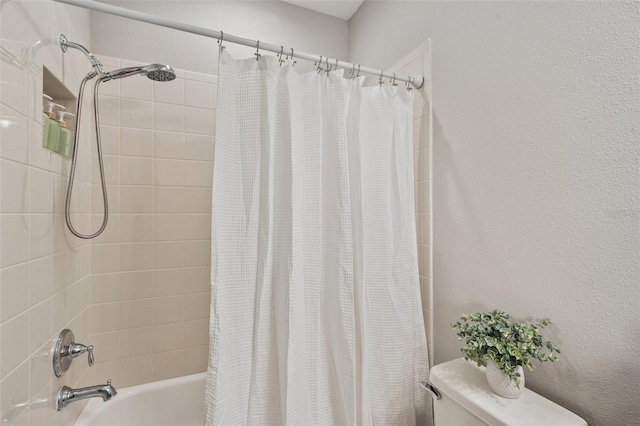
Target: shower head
<point>155,72</point>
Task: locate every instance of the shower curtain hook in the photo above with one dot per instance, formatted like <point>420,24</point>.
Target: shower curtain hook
<point>293,62</point>
<point>328,70</point>
<point>257,50</point>
<point>319,68</point>
<point>280,55</point>
<point>358,75</point>
<point>380,79</point>
<point>220,40</point>
<point>353,71</point>
<point>393,83</point>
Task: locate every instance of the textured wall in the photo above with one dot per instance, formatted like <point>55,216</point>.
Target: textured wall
<point>270,21</point>
<point>536,156</point>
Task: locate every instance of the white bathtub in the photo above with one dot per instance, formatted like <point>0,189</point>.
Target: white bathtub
<point>173,402</point>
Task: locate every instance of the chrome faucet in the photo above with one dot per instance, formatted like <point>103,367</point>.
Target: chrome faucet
<point>67,395</point>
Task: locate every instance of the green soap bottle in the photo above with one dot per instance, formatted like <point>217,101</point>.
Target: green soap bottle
<point>54,130</point>
<point>46,116</point>
<point>65,138</point>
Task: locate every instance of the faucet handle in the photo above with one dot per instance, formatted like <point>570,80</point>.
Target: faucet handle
<point>77,349</point>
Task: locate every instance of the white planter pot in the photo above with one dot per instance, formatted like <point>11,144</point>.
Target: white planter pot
<point>501,384</point>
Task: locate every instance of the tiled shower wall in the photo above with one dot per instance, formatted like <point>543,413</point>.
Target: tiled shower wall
<point>45,275</point>
<point>151,267</point>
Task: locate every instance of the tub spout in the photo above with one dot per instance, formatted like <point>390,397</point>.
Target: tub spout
<point>67,395</point>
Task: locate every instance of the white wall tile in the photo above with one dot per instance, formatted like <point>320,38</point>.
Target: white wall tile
<point>169,117</point>
<point>137,171</point>
<point>169,200</point>
<point>170,145</point>
<point>199,94</point>
<point>199,121</point>
<point>136,142</point>
<point>170,282</point>
<point>14,240</point>
<point>198,200</point>
<point>170,254</point>
<point>199,173</point>
<point>169,309</point>
<point>138,285</point>
<point>137,313</point>
<point>40,280</point>
<point>14,134</point>
<point>169,93</point>
<point>169,227</point>
<point>14,184</point>
<point>15,343</point>
<point>198,279</point>
<point>198,227</point>
<point>136,87</point>
<point>138,342</point>
<point>137,228</point>
<point>137,256</point>
<point>14,293</point>
<point>109,110</point>
<point>199,147</point>
<point>136,113</point>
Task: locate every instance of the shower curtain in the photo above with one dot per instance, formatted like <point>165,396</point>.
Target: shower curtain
<point>315,303</point>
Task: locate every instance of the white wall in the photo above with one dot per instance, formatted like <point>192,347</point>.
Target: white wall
<point>271,21</point>
<point>536,155</point>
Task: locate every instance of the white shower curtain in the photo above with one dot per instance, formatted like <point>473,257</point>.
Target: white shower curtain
<point>315,303</point>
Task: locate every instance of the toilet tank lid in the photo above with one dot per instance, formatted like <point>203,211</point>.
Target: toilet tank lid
<point>466,384</point>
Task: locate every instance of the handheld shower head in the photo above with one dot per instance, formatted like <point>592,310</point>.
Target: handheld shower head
<point>160,72</point>
<point>155,72</point>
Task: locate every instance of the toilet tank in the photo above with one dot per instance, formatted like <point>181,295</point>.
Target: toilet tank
<point>467,400</point>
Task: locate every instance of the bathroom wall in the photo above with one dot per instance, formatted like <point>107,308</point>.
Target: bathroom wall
<point>269,21</point>
<point>45,279</point>
<point>151,267</point>
<point>535,174</point>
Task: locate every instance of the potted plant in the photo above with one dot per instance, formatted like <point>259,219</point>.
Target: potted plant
<point>504,347</point>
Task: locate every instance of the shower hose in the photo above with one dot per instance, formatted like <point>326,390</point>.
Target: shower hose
<point>74,160</point>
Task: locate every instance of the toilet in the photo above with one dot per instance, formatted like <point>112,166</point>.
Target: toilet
<point>465,399</point>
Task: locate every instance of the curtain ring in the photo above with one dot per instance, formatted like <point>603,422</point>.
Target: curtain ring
<point>257,50</point>
<point>353,71</point>
<point>319,67</point>
<point>292,61</point>
<point>280,55</point>
<point>358,75</point>
<point>393,83</point>
<point>380,79</point>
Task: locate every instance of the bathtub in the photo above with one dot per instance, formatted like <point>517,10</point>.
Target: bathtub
<point>173,402</point>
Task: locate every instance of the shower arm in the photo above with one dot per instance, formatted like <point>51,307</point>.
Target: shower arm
<point>65,44</point>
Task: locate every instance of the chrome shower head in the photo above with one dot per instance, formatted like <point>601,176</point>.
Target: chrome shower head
<point>160,72</point>
<point>155,72</point>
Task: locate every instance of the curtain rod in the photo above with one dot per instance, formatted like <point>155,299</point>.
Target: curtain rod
<point>416,81</point>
